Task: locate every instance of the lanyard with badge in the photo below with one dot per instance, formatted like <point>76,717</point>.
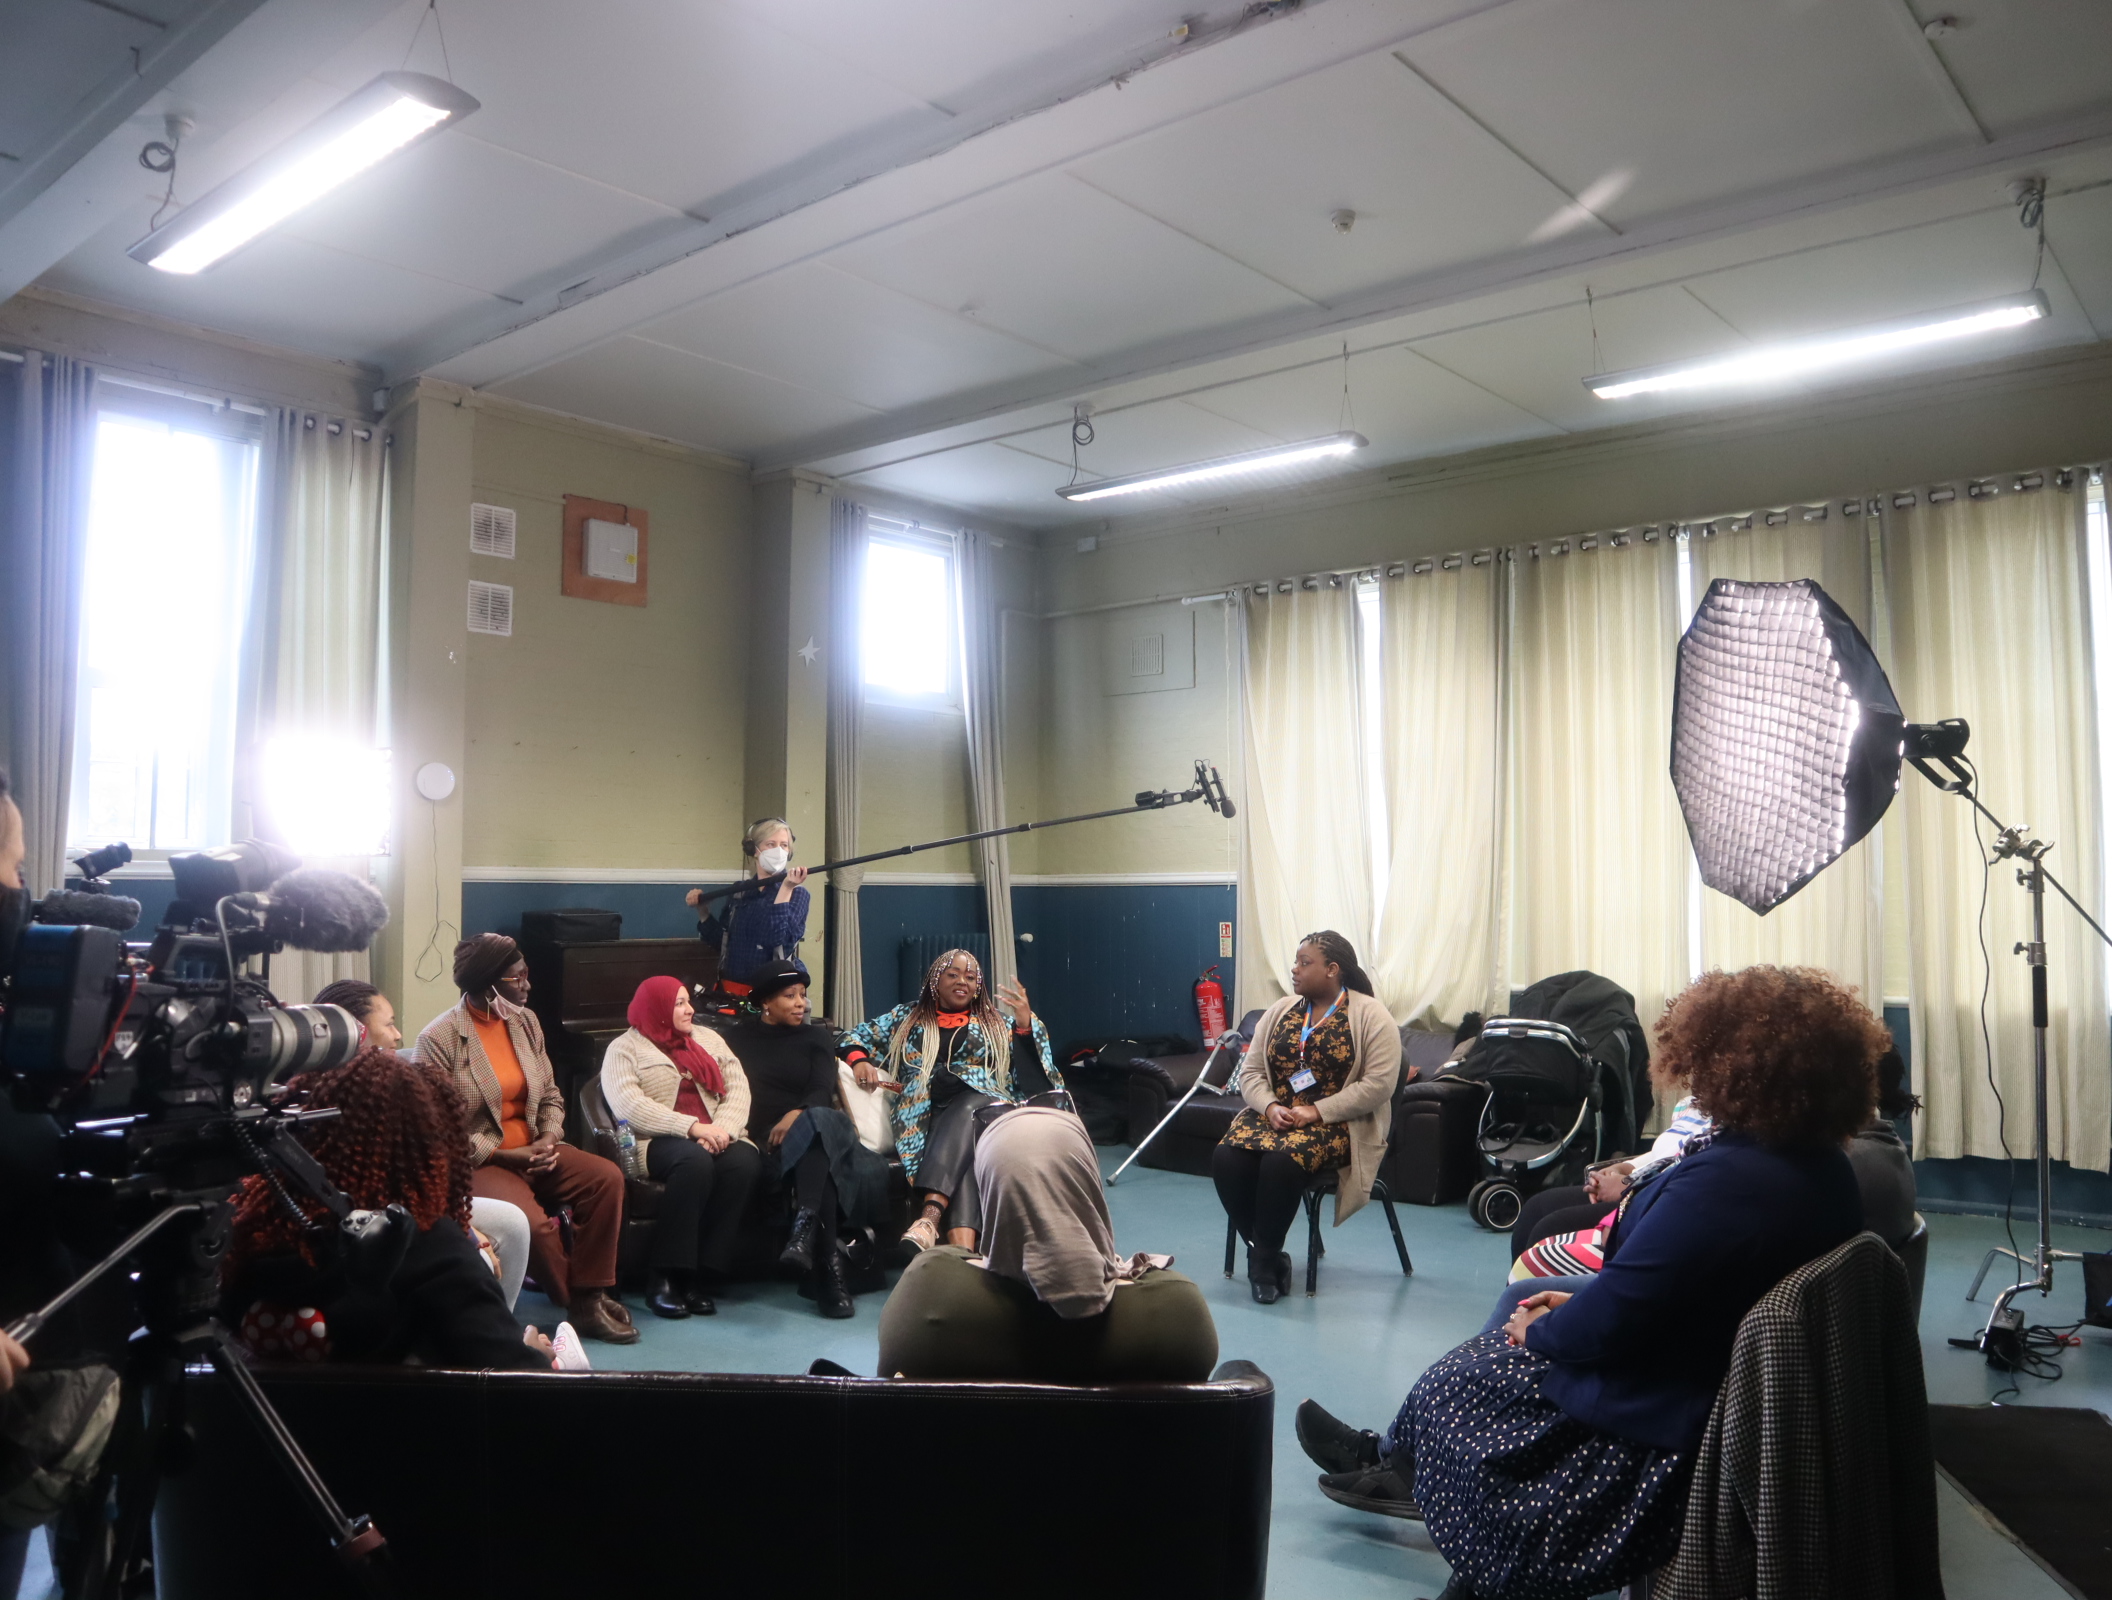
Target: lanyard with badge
<point>1304,1078</point>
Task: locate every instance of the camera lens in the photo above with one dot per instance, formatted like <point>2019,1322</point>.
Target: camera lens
<point>311,1038</point>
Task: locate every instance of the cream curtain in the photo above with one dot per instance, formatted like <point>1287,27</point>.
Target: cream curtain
<point>1438,952</point>
<point>1598,849</point>
<point>324,604</point>
<point>983,651</point>
<point>846,974</point>
<point>43,544</point>
<point>1989,622</point>
<point>1837,920</point>
<point>1307,859</point>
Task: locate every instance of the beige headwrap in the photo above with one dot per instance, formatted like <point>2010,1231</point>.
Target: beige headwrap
<point>1045,1220</point>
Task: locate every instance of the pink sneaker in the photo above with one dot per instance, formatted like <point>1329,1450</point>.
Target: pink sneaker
<point>568,1351</point>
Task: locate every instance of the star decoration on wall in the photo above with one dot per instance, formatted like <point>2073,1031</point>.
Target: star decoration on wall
<point>809,650</point>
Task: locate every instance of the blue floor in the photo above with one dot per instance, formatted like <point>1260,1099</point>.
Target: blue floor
<point>1358,1346</point>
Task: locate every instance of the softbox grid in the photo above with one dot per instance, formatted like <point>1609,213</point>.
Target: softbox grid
<point>1771,739</point>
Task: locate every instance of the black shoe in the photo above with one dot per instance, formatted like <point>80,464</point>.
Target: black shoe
<point>832,1291</point>
<point>663,1299</point>
<point>699,1302</point>
<point>1283,1273</point>
<point>1332,1443</point>
<point>1378,1489</point>
<point>1264,1277</point>
<point>798,1253</point>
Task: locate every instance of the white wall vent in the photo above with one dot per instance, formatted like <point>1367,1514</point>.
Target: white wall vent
<point>491,531</point>
<point>491,608</point>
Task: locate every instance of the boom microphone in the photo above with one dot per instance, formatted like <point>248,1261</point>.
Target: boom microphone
<point>76,907</point>
<point>317,909</point>
<point>1213,788</point>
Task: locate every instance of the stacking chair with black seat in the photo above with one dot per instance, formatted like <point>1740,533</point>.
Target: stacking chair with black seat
<point>1321,1185</point>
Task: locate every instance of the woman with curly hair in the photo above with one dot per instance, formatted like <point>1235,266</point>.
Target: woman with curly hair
<point>1550,1457</point>
<point>394,1142</point>
<point>949,1053</point>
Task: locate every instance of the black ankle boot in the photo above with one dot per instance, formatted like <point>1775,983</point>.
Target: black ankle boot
<point>1264,1276</point>
<point>832,1288</point>
<point>664,1298</point>
<point>798,1252</point>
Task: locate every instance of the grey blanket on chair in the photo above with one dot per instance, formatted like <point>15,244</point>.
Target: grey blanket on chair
<point>1815,1480</point>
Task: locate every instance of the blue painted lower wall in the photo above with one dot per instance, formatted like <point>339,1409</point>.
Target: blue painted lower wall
<point>650,910</point>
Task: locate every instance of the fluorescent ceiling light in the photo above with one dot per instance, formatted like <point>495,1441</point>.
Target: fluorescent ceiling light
<point>390,114</point>
<point>1772,363</point>
<point>1281,455</point>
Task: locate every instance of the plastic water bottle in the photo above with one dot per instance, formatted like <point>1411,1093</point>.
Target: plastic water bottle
<point>627,1149</point>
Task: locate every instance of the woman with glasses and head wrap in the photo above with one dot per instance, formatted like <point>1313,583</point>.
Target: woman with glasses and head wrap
<point>952,1053</point>
<point>1318,1081</point>
<point>492,1046</point>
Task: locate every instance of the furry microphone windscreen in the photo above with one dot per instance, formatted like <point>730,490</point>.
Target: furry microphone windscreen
<point>74,907</point>
<point>314,908</point>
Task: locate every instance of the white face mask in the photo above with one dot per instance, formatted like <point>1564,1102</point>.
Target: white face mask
<point>773,860</point>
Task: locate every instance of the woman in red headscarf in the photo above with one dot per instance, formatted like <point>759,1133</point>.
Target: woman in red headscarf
<point>683,1092</point>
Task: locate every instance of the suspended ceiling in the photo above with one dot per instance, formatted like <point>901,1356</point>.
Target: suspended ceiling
<point>899,243</point>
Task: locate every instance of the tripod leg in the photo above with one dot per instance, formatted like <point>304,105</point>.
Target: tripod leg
<point>1987,1261</point>
<point>355,1539</point>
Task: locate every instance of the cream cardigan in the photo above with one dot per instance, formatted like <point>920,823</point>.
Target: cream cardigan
<point>639,1082</point>
<point>1365,1101</point>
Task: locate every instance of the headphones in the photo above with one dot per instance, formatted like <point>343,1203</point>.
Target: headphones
<point>760,828</point>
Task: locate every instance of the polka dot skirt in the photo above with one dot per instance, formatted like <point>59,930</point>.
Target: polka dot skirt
<point>1526,1502</point>
<point>284,1333</point>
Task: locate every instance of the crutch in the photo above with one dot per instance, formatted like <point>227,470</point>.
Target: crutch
<point>1202,1081</point>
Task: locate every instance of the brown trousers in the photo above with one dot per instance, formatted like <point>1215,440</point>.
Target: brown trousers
<point>593,1188</point>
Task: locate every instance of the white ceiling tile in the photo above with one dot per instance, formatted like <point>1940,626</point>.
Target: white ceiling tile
<point>1539,362</point>
<point>1056,262</point>
<point>1261,178</point>
<point>1405,405</point>
<point>2079,232</point>
<point>281,289</point>
<point>1167,433</point>
<point>1664,103</point>
<point>983,477</point>
<point>832,331</point>
<point>635,384</point>
<point>459,208</point>
<point>2024,61</point>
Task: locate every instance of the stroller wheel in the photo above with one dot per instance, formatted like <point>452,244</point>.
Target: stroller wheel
<point>1495,1204</point>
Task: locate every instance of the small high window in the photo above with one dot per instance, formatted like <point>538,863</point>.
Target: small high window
<point>911,652</point>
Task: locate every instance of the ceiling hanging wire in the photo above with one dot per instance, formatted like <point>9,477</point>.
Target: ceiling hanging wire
<point>1346,419</point>
<point>432,9</point>
<point>1591,311</point>
<point>1081,434</point>
<point>2030,196</point>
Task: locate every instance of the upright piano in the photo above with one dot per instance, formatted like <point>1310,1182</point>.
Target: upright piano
<point>580,992</point>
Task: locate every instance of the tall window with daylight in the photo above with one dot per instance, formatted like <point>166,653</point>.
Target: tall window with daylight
<point>912,654</point>
<point>171,527</point>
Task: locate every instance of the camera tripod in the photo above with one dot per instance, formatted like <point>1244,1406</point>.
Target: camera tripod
<point>180,1249</point>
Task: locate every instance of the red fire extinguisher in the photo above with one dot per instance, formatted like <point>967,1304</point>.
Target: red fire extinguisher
<point>1210,1006</point>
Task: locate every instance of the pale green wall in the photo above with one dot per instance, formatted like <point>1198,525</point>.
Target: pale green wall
<point>601,735</point>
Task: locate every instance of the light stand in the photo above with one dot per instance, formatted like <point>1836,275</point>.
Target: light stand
<point>1202,1081</point>
<point>2002,1340</point>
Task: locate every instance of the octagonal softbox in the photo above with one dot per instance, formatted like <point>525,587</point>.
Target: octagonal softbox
<point>1786,737</point>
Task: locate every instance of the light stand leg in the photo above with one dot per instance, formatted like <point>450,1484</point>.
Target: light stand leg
<point>1987,1261</point>
<point>1201,1082</point>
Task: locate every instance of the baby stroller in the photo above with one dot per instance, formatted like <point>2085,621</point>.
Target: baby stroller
<point>1561,1081</point>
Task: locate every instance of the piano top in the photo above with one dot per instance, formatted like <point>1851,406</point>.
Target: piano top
<point>588,987</point>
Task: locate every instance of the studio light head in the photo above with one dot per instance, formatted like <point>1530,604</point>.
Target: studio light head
<point>1786,737</point>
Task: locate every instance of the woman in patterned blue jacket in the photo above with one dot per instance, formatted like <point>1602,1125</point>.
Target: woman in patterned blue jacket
<point>952,1053</point>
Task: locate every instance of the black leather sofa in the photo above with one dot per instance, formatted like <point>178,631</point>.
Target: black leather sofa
<point>529,1486</point>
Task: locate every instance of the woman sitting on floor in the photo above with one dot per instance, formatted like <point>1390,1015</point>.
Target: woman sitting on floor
<point>491,1045</point>
<point>1318,1081</point>
<point>682,1090</point>
<point>1550,1458</point>
<point>806,1142</point>
<point>1049,1300</point>
<point>306,1294</point>
<point>953,1054</point>
<point>500,1228</point>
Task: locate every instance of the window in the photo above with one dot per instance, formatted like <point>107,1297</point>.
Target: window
<point>911,655</point>
<point>164,603</point>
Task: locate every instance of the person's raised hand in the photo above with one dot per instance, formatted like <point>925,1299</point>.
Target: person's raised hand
<point>795,876</point>
<point>13,1359</point>
<point>695,897</point>
<point>1012,995</point>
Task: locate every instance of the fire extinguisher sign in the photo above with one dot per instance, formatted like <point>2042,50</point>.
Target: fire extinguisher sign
<point>1224,941</point>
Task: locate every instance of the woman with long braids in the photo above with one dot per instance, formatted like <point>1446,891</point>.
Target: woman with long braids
<point>952,1053</point>
<point>1318,1082</point>
<point>291,1285</point>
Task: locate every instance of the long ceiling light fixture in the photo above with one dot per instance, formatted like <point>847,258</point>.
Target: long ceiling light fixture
<point>390,114</point>
<point>1774,363</point>
<point>1280,455</point>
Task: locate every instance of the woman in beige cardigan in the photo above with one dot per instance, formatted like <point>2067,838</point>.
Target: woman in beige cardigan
<point>1318,1081</point>
<point>683,1092</point>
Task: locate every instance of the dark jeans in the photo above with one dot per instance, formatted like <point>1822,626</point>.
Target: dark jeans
<point>700,1214</point>
<point>806,1173</point>
<point>1260,1193</point>
<point>1553,1211</point>
<point>947,1166</point>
